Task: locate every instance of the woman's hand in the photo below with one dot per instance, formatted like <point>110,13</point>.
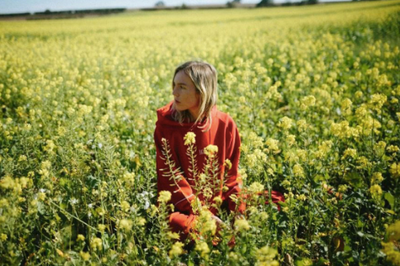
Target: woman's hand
<point>217,220</point>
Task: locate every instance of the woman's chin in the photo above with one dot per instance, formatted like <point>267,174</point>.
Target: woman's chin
<point>176,107</point>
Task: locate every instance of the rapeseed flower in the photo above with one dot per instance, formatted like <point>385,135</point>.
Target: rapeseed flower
<point>302,125</point>
<point>346,106</point>
<point>349,153</point>
<point>395,170</point>
<point>272,144</point>
<point>376,178</point>
<point>205,222</point>
<point>308,101</point>
<point>189,138</point>
<point>176,249</point>
<point>125,206</point>
<point>241,225</point>
<point>285,123</point>
<point>84,255</point>
<point>173,235</point>
<point>291,139</point>
<point>255,188</point>
<point>376,191</point>
<point>298,170</point>
<point>164,196</point>
<point>266,256</point>
<point>96,244</point>
<point>390,248</point>
<point>203,248</point>
<point>392,148</point>
<point>125,224</point>
<point>228,164</point>
<point>211,150</point>
<point>101,227</point>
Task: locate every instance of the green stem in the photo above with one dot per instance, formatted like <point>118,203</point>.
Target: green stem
<point>73,216</point>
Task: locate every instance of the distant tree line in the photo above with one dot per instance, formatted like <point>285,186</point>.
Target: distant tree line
<point>15,15</point>
<point>68,12</point>
<point>83,11</point>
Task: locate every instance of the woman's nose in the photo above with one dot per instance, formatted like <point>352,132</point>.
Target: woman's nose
<point>175,92</point>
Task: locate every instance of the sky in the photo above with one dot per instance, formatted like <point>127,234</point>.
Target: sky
<point>23,6</point>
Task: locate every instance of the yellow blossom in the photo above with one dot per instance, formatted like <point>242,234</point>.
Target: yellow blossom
<point>298,170</point>
<point>265,256</point>
<point>129,177</point>
<point>218,200</point>
<point>291,139</point>
<point>22,158</point>
<point>380,147</point>
<point>41,196</point>
<point>125,206</point>
<point>392,148</point>
<point>211,150</point>
<point>140,221</point>
<point>285,123</point>
<point>205,222</point>
<point>190,138</point>
<point>390,248</point>
<point>7,182</point>
<point>256,187</point>
<point>164,196</point>
<point>377,101</point>
<point>393,231</point>
<point>349,153</point>
<point>392,252</point>
<point>101,227</point>
<point>301,197</point>
<point>203,248</point>
<point>241,225</point>
<point>228,164</point>
<point>301,125</point>
<point>346,105</point>
<point>125,224</point>
<point>49,146</point>
<point>363,162</point>
<point>176,249</point>
<point>173,235</point>
<point>376,191</point>
<point>84,255</point>
<point>376,178</point>
<point>308,101</point>
<point>272,144</point>
<point>395,170</point>
<point>96,244</point>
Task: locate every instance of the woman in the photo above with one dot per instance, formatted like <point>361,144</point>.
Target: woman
<point>193,110</point>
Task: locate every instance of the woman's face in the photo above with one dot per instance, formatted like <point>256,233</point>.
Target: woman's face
<point>185,94</point>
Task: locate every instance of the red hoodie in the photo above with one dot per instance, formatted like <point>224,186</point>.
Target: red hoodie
<point>223,133</point>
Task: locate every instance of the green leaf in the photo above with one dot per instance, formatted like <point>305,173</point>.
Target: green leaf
<point>390,212</point>
<point>389,197</point>
<point>354,179</point>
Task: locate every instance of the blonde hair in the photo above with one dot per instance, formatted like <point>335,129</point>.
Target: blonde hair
<point>204,77</point>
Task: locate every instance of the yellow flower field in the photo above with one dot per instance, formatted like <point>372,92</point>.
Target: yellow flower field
<point>314,91</point>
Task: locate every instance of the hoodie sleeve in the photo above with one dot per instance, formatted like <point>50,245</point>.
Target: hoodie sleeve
<point>232,179</point>
<point>169,175</point>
